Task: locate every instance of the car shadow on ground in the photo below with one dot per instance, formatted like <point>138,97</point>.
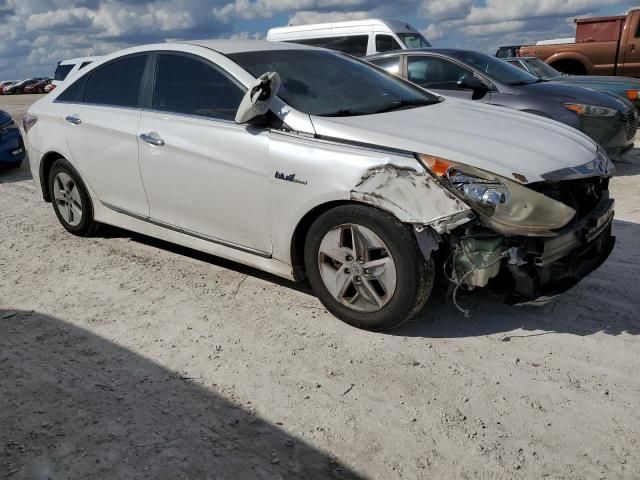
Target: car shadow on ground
<point>12,175</point>
<point>75,405</point>
<point>611,309</point>
<point>628,165</point>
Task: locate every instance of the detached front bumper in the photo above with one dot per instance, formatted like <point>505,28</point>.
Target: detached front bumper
<point>555,265</point>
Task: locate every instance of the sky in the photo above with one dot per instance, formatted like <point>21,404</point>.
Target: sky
<point>36,34</point>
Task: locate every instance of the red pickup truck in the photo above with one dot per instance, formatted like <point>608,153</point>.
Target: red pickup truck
<point>603,46</point>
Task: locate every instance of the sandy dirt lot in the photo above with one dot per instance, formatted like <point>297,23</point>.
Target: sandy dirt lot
<point>125,357</point>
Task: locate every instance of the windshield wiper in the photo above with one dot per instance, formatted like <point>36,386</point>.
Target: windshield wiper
<point>403,104</point>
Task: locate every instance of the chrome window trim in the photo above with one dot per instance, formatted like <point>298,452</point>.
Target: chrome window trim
<point>344,143</point>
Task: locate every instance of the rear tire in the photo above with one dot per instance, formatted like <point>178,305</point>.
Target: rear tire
<point>70,199</point>
<point>570,67</point>
<point>366,268</point>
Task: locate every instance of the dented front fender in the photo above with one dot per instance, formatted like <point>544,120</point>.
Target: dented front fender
<point>413,196</point>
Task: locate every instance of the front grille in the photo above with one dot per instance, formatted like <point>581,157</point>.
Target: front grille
<point>583,195</point>
<point>630,120</point>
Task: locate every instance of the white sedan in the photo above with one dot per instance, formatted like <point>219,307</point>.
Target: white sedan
<point>306,163</point>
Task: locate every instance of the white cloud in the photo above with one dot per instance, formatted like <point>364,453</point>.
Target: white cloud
<point>247,9</point>
<point>35,34</point>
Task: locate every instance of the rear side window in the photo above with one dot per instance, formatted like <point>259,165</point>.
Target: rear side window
<point>386,43</point>
<point>391,64</point>
<point>355,45</point>
<point>186,85</point>
<point>73,93</point>
<point>84,64</point>
<point>61,72</point>
<point>116,84</point>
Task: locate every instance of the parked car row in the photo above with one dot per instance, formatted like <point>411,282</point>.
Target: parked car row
<point>309,163</point>
<point>610,121</point>
<point>28,85</point>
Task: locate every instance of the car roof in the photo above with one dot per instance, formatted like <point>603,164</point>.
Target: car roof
<point>442,51</point>
<point>73,61</point>
<point>367,22</point>
<point>227,47</point>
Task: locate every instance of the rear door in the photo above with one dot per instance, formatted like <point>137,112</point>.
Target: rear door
<point>101,115</point>
<point>440,75</point>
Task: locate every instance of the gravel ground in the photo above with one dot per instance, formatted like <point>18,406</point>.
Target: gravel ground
<point>126,357</point>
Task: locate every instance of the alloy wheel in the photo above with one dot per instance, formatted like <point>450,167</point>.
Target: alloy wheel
<point>357,268</point>
<point>67,198</point>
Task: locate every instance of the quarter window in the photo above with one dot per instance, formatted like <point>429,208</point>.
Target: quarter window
<point>386,43</point>
<point>61,72</point>
<point>355,45</point>
<point>116,84</point>
<point>186,85</point>
<point>435,72</point>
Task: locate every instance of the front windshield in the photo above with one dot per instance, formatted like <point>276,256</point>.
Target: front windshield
<point>413,40</point>
<point>496,69</point>
<point>323,83</point>
<point>542,70</point>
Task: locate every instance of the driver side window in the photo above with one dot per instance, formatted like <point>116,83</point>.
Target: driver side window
<point>186,85</point>
<point>435,72</point>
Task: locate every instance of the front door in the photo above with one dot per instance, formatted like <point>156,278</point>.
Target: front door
<point>442,76</point>
<point>204,174</point>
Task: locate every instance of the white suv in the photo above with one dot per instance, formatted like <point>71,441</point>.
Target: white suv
<point>304,162</point>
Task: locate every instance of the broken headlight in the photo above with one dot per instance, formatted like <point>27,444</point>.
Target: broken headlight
<point>504,205</point>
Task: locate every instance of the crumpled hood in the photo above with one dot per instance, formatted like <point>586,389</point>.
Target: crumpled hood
<point>506,142</point>
<point>564,92</point>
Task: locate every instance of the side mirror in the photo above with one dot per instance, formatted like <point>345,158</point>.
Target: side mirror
<point>258,98</point>
<point>471,82</point>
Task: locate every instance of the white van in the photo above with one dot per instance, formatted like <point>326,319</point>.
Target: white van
<point>357,38</point>
<point>67,67</point>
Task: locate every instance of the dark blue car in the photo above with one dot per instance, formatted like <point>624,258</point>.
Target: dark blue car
<point>609,120</point>
<point>12,150</point>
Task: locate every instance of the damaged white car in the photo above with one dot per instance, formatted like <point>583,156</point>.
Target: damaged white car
<point>310,164</point>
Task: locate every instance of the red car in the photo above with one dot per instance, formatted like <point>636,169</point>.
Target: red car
<point>37,87</point>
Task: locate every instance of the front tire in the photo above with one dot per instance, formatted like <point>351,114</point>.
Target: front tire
<point>366,268</point>
<point>71,201</point>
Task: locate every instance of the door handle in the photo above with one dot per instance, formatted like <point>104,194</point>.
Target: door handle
<point>73,119</point>
<point>152,139</point>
